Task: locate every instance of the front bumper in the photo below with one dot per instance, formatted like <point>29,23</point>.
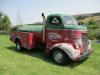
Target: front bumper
<point>83,56</point>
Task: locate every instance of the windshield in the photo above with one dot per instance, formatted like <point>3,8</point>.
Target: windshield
<point>68,20</point>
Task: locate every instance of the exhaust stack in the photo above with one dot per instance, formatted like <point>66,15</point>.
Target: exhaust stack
<point>43,16</point>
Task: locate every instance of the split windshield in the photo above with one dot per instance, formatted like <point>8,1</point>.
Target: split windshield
<point>68,20</point>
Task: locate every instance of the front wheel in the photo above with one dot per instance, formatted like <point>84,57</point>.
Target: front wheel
<point>18,45</point>
<point>59,57</point>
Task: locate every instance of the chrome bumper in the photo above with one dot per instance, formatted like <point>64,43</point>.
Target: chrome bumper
<point>85,55</point>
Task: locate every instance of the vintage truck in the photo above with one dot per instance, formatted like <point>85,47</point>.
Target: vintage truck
<point>60,36</point>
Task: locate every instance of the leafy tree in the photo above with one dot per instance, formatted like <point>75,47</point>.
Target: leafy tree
<point>98,34</point>
<point>92,34</point>
<point>1,20</point>
<point>0,16</point>
<point>5,24</point>
<point>92,26</point>
<point>80,17</point>
<point>91,22</point>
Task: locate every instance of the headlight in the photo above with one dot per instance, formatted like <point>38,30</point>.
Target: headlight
<point>76,45</point>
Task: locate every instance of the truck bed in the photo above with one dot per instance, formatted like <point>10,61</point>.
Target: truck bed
<point>30,28</point>
<point>28,35</point>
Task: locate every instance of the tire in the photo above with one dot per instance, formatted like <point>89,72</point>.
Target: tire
<point>59,57</point>
<point>18,46</point>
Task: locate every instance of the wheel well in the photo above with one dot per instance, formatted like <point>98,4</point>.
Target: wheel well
<point>52,50</point>
<point>17,40</point>
<point>66,57</point>
<point>60,50</point>
<point>55,49</point>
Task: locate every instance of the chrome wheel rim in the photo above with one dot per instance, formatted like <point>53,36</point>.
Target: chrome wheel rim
<point>58,56</point>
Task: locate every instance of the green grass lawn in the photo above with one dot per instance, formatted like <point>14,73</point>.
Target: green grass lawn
<point>34,63</point>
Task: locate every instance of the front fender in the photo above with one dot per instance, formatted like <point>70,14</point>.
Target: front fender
<point>68,49</point>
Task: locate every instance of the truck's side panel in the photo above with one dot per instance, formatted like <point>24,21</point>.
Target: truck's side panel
<point>57,36</point>
<point>26,38</point>
<point>31,41</point>
<point>38,37</point>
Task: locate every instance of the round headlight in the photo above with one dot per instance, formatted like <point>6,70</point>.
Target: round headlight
<point>76,45</point>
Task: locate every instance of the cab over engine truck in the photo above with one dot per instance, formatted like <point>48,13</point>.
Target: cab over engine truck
<point>61,36</point>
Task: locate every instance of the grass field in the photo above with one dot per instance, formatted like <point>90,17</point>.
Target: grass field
<point>34,63</point>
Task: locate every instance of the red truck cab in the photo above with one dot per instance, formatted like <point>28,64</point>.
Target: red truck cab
<point>61,36</point>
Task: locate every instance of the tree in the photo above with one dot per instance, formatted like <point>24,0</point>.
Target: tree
<point>0,16</point>
<point>92,34</point>
<point>91,22</point>
<point>5,24</point>
<point>80,17</point>
<point>1,20</point>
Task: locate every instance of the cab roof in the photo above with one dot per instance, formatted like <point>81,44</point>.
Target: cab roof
<point>61,15</point>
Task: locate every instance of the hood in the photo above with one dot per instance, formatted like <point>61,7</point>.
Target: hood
<point>75,27</point>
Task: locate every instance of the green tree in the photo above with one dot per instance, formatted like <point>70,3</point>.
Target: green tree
<point>92,34</point>
<point>91,22</point>
<point>1,15</point>
<point>1,20</point>
<point>5,24</point>
<point>80,17</point>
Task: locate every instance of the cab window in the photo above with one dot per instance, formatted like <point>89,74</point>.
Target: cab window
<point>55,20</point>
<point>69,20</point>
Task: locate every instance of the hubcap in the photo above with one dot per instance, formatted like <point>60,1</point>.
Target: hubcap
<point>58,56</point>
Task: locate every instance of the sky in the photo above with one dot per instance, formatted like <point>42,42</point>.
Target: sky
<point>29,11</point>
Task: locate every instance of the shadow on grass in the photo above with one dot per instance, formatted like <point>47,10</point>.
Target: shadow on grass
<point>39,54</point>
<point>32,52</point>
<point>74,64</point>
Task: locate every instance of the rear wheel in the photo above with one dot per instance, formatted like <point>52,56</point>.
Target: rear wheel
<point>59,57</point>
<point>18,45</point>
